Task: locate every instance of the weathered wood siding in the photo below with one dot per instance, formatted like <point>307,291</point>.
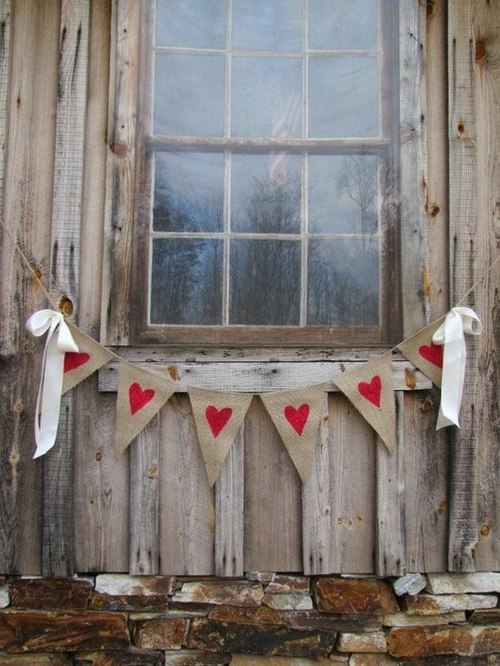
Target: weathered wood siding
<point>68,99</point>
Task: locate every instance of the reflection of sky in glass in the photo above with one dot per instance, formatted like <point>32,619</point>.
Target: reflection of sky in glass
<point>265,282</point>
<point>186,281</point>
<point>343,24</point>
<point>189,95</point>
<point>191,23</point>
<point>188,192</point>
<point>266,97</point>
<point>343,282</point>
<point>343,96</point>
<point>265,193</point>
<point>260,25</point>
<point>343,194</point>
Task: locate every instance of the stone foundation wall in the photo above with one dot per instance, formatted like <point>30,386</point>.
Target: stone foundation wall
<point>263,620</point>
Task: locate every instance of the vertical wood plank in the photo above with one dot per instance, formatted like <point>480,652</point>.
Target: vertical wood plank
<point>414,259</point>
<point>5,43</point>
<point>27,189</point>
<point>391,519</point>
<point>187,519</point>
<point>229,511</point>
<point>144,500</point>
<point>272,498</point>
<point>57,553</point>
<point>474,89</point>
<point>426,484</point>
<point>339,499</point>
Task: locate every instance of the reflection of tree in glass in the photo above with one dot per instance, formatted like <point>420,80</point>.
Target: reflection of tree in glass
<point>359,181</point>
<point>265,274</point>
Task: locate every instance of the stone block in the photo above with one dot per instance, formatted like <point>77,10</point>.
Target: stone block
<point>282,584</point>
<point>161,634</point>
<point>462,583</point>
<point>4,596</point>
<point>50,659</point>
<point>488,616</point>
<point>429,604</point>
<point>123,592</point>
<point>352,596</point>
<point>131,657</point>
<point>406,620</point>
<point>464,641</point>
<point>273,640</point>
<point>232,593</point>
<point>263,577</point>
<point>288,601</point>
<point>373,660</point>
<point>362,642</point>
<point>195,658</point>
<point>412,583</point>
<point>246,660</point>
<point>50,593</point>
<point>41,631</point>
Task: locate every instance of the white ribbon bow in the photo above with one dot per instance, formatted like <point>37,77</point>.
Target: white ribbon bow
<point>451,334</point>
<point>48,404</point>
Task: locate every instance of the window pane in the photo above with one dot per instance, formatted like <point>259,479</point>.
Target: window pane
<point>194,23</point>
<point>343,282</point>
<point>189,95</point>
<point>343,194</point>
<point>343,96</point>
<point>260,25</point>
<point>343,24</point>
<point>188,192</point>
<point>266,97</point>
<point>265,193</point>
<point>265,282</point>
<point>186,283</point>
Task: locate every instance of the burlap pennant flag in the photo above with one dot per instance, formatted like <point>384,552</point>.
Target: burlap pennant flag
<point>424,354</point>
<point>140,396</point>
<point>296,415</point>
<point>88,359</point>
<point>370,389</point>
<point>218,417</point>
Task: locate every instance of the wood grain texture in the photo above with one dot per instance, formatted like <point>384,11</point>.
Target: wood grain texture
<point>144,500</point>
<point>229,511</point>
<point>273,519</point>
<point>27,187</point>
<point>414,259</point>
<point>474,134</point>
<point>339,499</point>
<point>5,44</point>
<point>187,518</point>
<point>57,552</point>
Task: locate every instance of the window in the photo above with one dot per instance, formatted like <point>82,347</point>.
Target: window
<point>267,151</point>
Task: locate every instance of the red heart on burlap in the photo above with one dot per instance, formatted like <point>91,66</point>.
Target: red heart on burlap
<point>372,390</point>
<point>217,418</point>
<point>297,418</point>
<point>73,360</point>
<point>432,353</point>
<point>139,397</point>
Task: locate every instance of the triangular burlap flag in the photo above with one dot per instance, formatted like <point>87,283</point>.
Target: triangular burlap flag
<point>296,415</point>
<point>370,389</point>
<point>420,350</point>
<point>79,365</point>
<point>218,417</point>
<point>140,396</point>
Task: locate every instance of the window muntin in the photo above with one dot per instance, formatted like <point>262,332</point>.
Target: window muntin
<point>270,150</point>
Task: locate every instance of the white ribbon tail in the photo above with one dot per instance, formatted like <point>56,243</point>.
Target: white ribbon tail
<point>451,334</point>
<point>48,404</point>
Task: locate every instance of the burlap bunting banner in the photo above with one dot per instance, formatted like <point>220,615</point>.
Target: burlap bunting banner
<point>296,415</point>
<point>88,359</point>
<point>218,417</point>
<point>140,396</point>
<point>423,353</point>
<point>370,389</point>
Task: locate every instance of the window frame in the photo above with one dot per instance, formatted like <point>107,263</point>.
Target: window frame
<point>134,302</point>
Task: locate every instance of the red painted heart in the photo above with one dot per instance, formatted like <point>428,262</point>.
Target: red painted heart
<point>432,353</point>
<point>217,418</point>
<point>297,418</point>
<point>138,397</point>
<point>372,390</point>
<point>73,360</point>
